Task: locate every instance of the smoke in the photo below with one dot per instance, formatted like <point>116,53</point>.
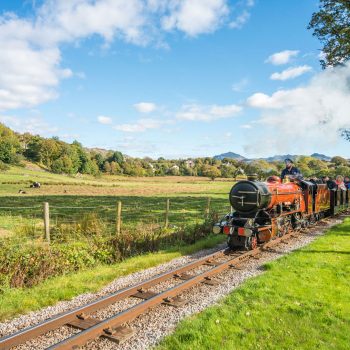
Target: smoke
<point>310,117</point>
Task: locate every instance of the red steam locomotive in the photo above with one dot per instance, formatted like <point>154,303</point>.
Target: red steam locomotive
<point>264,210</point>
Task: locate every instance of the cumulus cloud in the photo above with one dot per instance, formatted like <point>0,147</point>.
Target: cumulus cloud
<point>282,57</point>
<point>291,73</point>
<point>197,112</point>
<point>195,16</point>
<point>304,118</point>
<point>30,47</point>
<point>145,107</point>
<point>142,125</point>
<point>104,120</point>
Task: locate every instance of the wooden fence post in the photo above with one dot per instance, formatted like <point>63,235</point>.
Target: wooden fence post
<point>119,217</point>
<point>47,221</point>
<point>207,209</point>
<point>167,213</point>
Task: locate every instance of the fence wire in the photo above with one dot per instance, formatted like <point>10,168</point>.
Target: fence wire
<point>74,219</point>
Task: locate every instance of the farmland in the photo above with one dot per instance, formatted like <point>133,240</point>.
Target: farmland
<point>72,198</point>
<point>83,221</point>
<point>16,178</point>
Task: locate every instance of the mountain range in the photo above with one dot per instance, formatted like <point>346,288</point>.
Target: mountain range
<point>278,157</point>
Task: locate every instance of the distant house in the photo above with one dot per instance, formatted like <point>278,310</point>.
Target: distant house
<point>189,163</point>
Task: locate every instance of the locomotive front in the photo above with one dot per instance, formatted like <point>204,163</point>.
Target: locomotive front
<point>261,210</point>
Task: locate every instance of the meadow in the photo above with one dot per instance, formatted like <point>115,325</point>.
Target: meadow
<point>83,216</point>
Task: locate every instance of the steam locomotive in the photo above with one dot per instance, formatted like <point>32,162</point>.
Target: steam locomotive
<point>262,211</point>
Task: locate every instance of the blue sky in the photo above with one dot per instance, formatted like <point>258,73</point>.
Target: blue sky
<point>171,78</point>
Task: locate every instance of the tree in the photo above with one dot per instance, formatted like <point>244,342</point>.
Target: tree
<point>107,167</point>
<point>339,161</point>
<point>331,25</point>
<point>211,171</point>
<point>9,149</point>
<point>116,157</point>
<point>9,145</point>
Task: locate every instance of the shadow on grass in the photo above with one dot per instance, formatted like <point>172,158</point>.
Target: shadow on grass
<point>325,251</point>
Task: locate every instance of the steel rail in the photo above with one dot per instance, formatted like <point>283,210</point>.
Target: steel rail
<point>128,315</point>
<point>61,319</point>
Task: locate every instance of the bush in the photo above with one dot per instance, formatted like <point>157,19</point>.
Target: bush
<point>3,166</point>
<point>30,263</point>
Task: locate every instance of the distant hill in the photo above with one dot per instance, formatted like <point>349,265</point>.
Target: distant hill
<point>101,151</point>
<point>280,157</point>
<point>277,157</point>
<point>321,156</point>
<point>231,155</point>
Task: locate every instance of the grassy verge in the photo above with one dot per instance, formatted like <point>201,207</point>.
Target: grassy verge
<point>18,301</point>
<point>301,302</point>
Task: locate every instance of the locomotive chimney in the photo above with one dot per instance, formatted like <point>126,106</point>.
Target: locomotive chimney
<point>252,177</point>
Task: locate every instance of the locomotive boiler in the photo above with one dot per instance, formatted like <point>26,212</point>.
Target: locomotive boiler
<point>264,210</point>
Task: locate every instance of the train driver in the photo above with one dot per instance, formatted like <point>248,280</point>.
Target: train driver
<point>290,169</point>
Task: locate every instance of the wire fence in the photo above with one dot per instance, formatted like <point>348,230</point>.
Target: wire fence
<point>71,219</point>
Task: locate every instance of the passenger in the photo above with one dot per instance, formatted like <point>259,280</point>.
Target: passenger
<point>325,179</point>
<point>290,169</point>
<point>340,182</point>
<point>347,182</point>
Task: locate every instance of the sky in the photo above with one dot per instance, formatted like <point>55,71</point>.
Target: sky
<point>172,78</point>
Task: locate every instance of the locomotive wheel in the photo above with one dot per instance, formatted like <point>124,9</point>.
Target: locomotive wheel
<point>251,243</point>
<point>284,227</point>
<point>231,243</point>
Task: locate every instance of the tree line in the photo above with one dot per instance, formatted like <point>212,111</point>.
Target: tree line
<point>61,157</point>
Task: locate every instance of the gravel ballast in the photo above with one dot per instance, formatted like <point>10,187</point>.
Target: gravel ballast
<point>162,320</point>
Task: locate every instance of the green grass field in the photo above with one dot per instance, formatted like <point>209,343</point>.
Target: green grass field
<point>83,225</point>
<point>72,199</point>
<point>302,301</point>
<point>16,178</point>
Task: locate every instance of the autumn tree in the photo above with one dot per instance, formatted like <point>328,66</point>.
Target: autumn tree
<point>331,25</point>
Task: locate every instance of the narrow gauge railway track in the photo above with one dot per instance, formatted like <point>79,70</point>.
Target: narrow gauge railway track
<point>112,328</point>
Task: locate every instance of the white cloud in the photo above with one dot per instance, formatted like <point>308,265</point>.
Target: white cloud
<point>33,125</point>
<point>240,85</point>
<point>141,125</point>
<point>282,57</point>
<point>246,126</point>
<point>196,112</point>
<point>291,73</point>
<point>195,16</point>
<point>240,21</point>
<point>304,118</point>
<point>30,54</point>
<point>145,107</point>
<point>244,14</point>
<point>104,120</point>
